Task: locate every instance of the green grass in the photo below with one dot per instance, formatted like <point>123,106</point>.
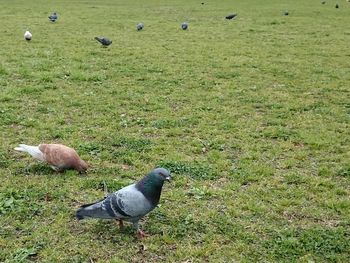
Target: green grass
<point>252,116</point>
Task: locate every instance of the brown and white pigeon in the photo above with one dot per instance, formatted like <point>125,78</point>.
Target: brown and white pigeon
<point>130,203</point>
<point>58,156</point>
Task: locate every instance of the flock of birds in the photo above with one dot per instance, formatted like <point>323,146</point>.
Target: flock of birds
<point>130,203</point>
<point>105,42</point>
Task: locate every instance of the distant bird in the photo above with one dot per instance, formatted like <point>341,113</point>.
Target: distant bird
<point>58,156</point>
<point>53,17</point>
<point>202,3</point>
<point>286,13</point>
<point>336,6</point>
<point>323,2</point>
<point>130,203</point>
<point>231,16</point>
<point>104,41</point>
<point>27,36</point>
<point>139,26</point>
<point>184,25</point>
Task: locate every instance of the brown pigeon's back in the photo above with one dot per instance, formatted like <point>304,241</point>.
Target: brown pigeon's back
<point>62,157</point>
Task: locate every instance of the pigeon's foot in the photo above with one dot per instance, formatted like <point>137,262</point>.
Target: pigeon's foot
<point>121,224</point>
<point>141,234</point>
<point>57,169</point>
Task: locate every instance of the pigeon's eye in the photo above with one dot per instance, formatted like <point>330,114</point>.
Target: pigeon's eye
<point>163,175</point>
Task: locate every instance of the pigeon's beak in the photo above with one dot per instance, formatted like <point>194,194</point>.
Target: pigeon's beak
<point>168,178</point>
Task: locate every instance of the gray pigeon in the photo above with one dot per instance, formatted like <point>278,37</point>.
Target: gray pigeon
<point>139,26</point>
<point>104,41</point>
<point>231,16</point>
<point>184,25</point>
<point>53,17</point>
<point>130,203</point>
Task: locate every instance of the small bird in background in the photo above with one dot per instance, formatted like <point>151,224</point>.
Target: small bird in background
<point>104,41</point>
<point>231,16</point>
<point>286,13</point>
<point>336,6</point>
<point>323,2</point>
<point>58,156</point>
<point>27,36</point>
<point>53,17</point>
<point>139,26</point>
<point>184,26</point>
<point>130,203</point>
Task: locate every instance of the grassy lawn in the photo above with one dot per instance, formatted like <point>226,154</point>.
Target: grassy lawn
<point>251,116</point>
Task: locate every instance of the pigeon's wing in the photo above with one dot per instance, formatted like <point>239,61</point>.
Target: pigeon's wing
<point>99,39</point>
<point>106,41</point>
<point>127,203</point>
<point>59,155</point>
<point>93,210</point>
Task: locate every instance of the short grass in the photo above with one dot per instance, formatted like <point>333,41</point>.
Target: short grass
<point>251,116</point>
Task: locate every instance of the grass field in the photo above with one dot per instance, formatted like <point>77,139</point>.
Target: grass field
<point>251,116</point>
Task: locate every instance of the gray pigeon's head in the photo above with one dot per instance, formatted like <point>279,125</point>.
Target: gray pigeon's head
<point>184,26</point>
<point>161,174</point>
<point>139,26</point>
<point>151,185</point>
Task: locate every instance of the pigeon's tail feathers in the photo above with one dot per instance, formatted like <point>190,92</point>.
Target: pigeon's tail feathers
<point>98,39</point>
<point>81,213</point>
<point>93,210</point>
<point>32,150</point>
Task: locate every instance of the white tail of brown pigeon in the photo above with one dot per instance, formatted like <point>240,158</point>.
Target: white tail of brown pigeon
<point>58,156</point>
<point>32,150</point>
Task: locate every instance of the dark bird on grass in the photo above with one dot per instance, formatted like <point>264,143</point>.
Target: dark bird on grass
<point>130,203</point>
<point>231,16</point>
<point>27,36</point>
<point>336,6</point>
<point>184,25</point>
<point>286,13</point>
<point>323,2</point>
<point>104,41</point>
<point>140,26</point>
<point>202,3</point>
<point>53,17</point>
<point>58,156</point>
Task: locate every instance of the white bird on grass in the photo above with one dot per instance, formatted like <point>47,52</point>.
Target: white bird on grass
<point>28,36</point>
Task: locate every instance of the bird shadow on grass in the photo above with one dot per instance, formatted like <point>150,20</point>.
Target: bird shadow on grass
<point>40,169</point>
<point>108,230</point>
<point>35,169</point>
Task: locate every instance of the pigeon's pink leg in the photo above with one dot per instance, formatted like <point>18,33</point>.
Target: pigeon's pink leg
<point>121,224</point>
<point>141,234</point>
